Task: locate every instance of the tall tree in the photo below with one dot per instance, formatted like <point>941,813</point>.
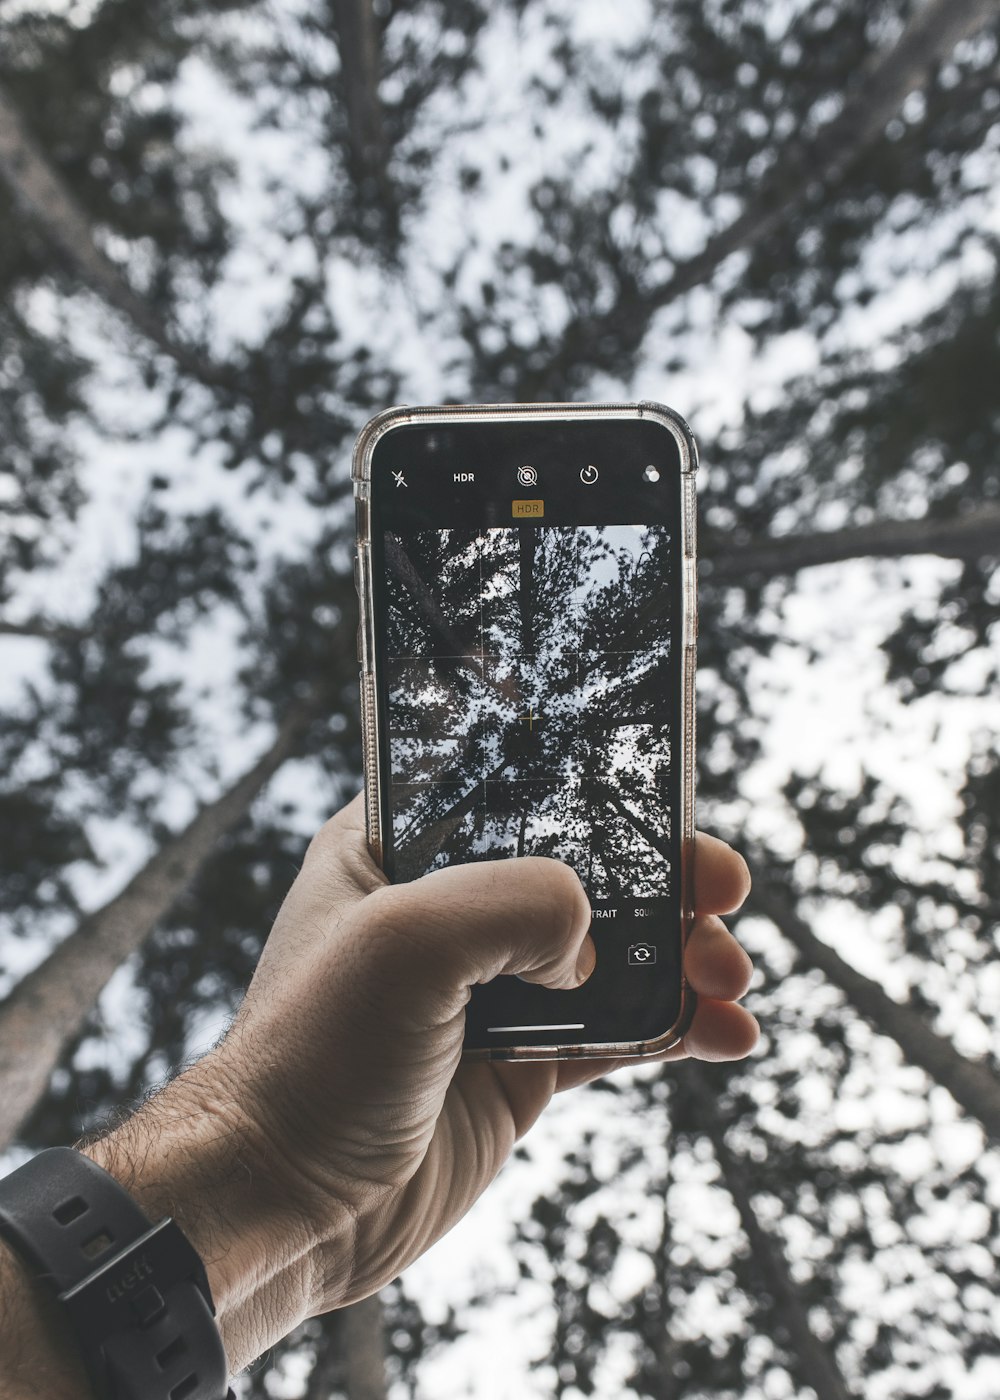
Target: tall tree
<point>818,1367</point>
<point>785,219</point>
<point>46,1010</point>
<point>975,1086</point>
<point>358,44</point>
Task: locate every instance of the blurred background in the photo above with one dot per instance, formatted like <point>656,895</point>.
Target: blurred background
<point>229,233</point>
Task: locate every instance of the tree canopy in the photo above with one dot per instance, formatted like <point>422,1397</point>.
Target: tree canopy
<point>229,233</point>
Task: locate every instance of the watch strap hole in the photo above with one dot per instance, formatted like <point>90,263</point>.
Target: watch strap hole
<point>97,1245</point>
<point>185,1388</point>
<point>166,1358</point>
<point>135,1295</point>
<point>70,1210</point>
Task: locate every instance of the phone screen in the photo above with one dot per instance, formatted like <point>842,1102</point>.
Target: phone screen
<point>527,602</point>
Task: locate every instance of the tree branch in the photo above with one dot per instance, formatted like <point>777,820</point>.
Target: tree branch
<point>929,37</point>
<point>652,837</point>
<point>816,1363</point>
<point>47,1009</point>
<point>44,196</point>
<point>974,1086</point>
<point>971,536</point>
<point>45,630</point>
<point>825,160</point>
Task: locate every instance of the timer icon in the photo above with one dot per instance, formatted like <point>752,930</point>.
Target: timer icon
<point>589,475</point>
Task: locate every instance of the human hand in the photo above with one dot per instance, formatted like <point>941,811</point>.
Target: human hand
<point>344,1064</point>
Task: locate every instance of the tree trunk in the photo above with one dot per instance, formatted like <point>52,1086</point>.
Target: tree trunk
<point>402,566</point>
<point>44,196</point>
<point>358,44</point>
<point>350,1357</point>
<point>47,1009</point>
<point>974,1086</point>
<point>362,1334</point>
<point>657,839</point>
<point>526,543</point>
<point>667,1350</point>
<point>424,847</point>
<point>816,1365</point>
<point>969,536</point>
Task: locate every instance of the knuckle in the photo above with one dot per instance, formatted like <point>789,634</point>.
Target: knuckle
<point>392,930</point>
<point>562,907</point>
<point>382,914</point>
<point>560,886</point>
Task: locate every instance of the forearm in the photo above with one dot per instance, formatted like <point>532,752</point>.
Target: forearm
<point>187,1153</point>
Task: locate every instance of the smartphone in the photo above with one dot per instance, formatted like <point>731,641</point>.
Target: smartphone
<point>526,575</point>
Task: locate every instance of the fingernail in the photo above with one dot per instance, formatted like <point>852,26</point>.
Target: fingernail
<point>586,959</point>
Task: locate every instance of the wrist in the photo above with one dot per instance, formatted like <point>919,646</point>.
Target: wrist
<point>190,1153</point>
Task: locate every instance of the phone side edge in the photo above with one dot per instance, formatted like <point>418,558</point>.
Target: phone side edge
<point>361,468</point>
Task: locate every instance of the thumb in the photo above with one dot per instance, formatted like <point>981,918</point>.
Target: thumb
<point>467,924</point>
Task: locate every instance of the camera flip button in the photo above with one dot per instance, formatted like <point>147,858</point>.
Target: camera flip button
<point>641,954</point>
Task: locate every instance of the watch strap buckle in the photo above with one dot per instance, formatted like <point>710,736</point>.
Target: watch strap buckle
<point>129,1288</point>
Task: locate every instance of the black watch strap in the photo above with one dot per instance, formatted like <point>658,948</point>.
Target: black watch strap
<point>135,1293</point>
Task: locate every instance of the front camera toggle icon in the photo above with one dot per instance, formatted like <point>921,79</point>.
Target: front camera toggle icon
<point>639,954</point>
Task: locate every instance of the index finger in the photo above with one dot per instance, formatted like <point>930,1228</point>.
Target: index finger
<point>721,876</point>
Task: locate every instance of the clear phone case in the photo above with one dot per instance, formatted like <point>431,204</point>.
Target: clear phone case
<point>375,777</point>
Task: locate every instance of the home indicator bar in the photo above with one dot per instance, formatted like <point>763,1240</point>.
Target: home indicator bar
<point>567,1026</point>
